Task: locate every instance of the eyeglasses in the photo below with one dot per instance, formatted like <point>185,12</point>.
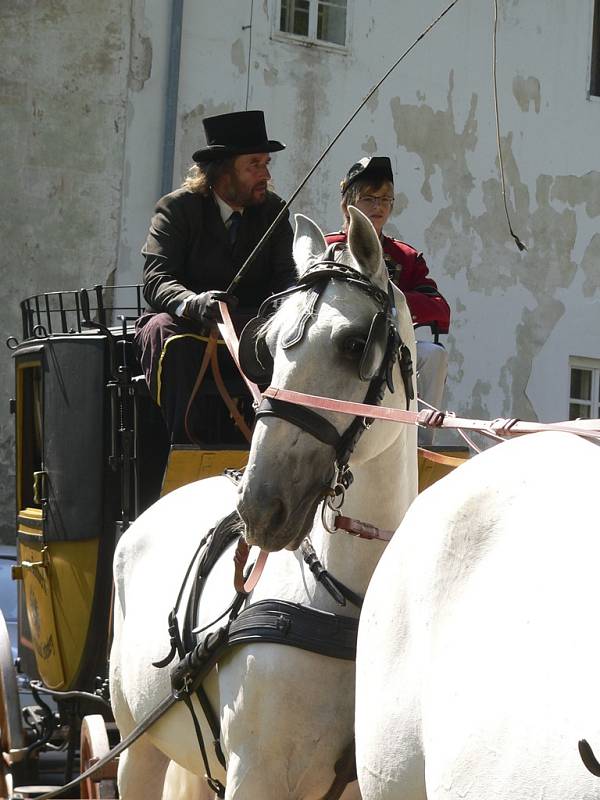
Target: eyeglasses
<point>372,202</point>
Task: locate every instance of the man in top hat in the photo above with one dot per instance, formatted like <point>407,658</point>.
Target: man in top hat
<point>200,235</point>
<point>369,186</point>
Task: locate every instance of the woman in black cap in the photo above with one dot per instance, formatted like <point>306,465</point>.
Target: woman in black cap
<point>369,186</point>
<point>199,237</point>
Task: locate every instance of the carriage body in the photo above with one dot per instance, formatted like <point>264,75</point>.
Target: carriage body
<point>65,508</point>
<point>79,416</point>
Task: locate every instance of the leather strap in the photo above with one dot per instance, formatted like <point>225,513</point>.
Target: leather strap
<point>246,585</point>
<point>135,734</point>
<point>281,622</point>
<point>435,419</point>
<point>228,334</point>
<point>303,418</point>
<point>227,398</point>
<point>363,530</point>
<point>295,334</point>
<point>211,344</point>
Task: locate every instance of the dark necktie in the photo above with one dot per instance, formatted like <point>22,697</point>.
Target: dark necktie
<point>234,225</point>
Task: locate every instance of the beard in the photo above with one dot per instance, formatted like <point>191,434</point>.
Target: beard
<point>239,193</point>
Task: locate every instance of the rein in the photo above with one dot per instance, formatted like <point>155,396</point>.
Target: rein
<point>588,428</point>
<point>313,423</point>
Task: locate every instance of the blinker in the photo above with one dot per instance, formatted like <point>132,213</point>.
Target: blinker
<point>375,347</point>
<point>256,361</point>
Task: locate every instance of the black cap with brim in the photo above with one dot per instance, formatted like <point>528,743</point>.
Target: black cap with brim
<point>236,134</point>
<point>375,167</point>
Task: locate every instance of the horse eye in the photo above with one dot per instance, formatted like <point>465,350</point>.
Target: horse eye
<point>353,346</point>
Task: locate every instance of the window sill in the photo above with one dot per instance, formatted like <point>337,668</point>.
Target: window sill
<point>290,38</point>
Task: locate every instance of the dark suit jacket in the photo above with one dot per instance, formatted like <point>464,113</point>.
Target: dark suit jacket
<point>188,251</point>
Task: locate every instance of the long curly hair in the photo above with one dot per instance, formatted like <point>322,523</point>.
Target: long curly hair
<point>201,177</point>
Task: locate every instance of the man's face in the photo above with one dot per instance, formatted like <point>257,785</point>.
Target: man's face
<point>246,183</point>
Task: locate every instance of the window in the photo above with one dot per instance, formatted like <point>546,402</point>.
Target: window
<point>595,65</point>
<point>315,20</point>
<point>584,394</point>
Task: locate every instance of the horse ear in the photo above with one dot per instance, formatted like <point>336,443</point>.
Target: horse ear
<point>364,243</point>
<point>309,242</point>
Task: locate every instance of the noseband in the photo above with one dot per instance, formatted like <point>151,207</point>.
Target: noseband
<point>382,348</point>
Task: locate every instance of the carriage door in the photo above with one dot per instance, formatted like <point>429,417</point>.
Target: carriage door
<point>59,460</point>
<point>30,492</point>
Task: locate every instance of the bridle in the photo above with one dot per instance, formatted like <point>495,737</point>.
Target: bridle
<point>383,347</point>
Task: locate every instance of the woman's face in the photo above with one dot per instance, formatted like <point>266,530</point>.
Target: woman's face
<point>377,204</point>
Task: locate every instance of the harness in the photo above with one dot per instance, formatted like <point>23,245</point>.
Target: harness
<point>275,621</point>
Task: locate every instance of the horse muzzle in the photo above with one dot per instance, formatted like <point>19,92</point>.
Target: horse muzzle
<point>272,523</point>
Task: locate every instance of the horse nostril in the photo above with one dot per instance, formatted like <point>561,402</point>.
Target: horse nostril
<point>278,513</point>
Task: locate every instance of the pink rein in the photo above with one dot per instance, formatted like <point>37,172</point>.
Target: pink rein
<point>427,418</point>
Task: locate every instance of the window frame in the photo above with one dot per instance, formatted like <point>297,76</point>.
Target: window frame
<point>593,365</point>
<point>311,39</point>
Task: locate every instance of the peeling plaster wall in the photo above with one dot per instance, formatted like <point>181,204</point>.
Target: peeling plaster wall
<point>143,147</point>
<point>62,123</point>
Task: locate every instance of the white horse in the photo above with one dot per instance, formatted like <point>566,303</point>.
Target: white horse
<point>286,714</point>
<point>478,649</point>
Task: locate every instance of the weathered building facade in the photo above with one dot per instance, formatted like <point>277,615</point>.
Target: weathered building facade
<point>101,108</point>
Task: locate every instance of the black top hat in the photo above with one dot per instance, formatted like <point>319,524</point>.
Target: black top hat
<point>376,167</point>
<point>234,135</point>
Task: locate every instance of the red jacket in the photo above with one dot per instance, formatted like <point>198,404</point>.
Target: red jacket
<point>409,272</point>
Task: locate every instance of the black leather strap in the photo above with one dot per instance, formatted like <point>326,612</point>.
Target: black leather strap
<point>296,332</point>
<point>281,622</point>
<point>304,418</point>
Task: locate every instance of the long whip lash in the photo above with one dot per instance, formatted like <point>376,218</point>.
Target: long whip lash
<point>243,269</point>
<point>249,29</point>
<point>518,242</point>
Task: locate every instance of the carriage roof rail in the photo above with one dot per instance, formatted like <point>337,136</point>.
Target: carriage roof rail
<point>61,312</point>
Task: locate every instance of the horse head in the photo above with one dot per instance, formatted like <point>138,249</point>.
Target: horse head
<point>339,333</point>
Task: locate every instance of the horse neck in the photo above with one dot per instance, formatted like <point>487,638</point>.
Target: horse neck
<point>381,493</point>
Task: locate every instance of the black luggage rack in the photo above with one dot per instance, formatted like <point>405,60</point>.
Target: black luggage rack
<point>65,312</point>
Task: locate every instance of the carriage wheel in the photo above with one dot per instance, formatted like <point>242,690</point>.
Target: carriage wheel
<point>94,745</point>
<point>12,736</point>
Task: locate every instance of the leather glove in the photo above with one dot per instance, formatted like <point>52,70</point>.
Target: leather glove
<point>204,307</point>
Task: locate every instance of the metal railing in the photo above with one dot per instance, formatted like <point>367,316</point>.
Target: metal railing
<point>53,313</point>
